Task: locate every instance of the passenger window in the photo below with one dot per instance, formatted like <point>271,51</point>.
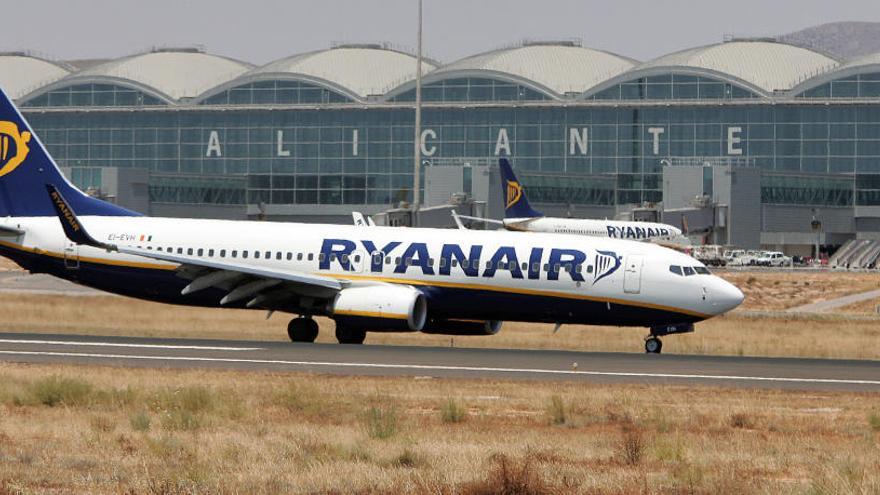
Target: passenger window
<point>408,262</point>
<point>268,255</point>
<point>278,255</point>
<point>200,251</point>
<point>688,271</point>
<point>311,256</point>
<point>454,263</point>
<point>442,262</point>
<point>377,259</point>
<point>546,267</point>
<point>344,258</point>
<point>321,258</point>
<point>150,248</point>
<point>675,269</point>
<point>222,253</point>
<point>189,251</point>
<point>244,254</point>
<point>397,260</point>
<point>589,268</point>
<point>256,255</point>
<point>536,267</point>
<point>525,266</point>
<point>332,257</point>
<point>299,256</point>
<point>578,268</point>
<point>388,260</point>
<point>357,258</point>
<point>556,268</point>
<point>235,253</point>
<point>431,261</point>
<point>211,253</point>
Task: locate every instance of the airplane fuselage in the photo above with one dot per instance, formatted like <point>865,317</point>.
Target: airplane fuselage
<point>463,274</point>
<point>635,231</point>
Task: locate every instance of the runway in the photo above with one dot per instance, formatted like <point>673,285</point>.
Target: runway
<point>781,373</point>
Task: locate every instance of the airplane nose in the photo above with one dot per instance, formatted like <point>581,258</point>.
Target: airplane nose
<point>726,296</point>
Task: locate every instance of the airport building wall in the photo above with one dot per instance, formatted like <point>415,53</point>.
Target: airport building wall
<point>590,133</point>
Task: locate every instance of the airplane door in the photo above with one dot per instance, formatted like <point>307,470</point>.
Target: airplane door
<point>71,255</point>
<point>632,276</point>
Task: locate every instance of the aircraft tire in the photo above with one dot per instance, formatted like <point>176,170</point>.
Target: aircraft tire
<point>347,335</point>
<point>302,329</point>
<point>653,345</point>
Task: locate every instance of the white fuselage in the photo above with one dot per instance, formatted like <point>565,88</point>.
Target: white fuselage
<point>613,229</point>
<point>610,272</point>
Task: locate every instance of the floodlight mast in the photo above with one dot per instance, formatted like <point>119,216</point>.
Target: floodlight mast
<point>417,146</point>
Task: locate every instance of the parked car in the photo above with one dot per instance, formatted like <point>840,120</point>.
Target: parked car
<point>773,258</point>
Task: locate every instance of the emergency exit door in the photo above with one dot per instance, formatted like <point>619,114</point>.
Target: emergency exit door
<point>632,275</point>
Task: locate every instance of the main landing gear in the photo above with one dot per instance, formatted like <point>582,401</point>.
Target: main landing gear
<point>653,345</point>
<point>302,329</point>
<point>348,335</point>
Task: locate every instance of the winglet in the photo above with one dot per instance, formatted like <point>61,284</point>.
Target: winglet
<point>73,228</point>
<point>516,205</point>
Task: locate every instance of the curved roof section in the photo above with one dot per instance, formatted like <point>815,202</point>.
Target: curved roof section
<point>867,64</point>
<point>555,68</point>
<point>355,70</point>
<point>764,65</point>
<point>173,73</point>
<point>20,73</point>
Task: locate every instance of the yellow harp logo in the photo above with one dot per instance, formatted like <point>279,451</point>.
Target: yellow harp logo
<point>514,192</point>
<point>13,147</point>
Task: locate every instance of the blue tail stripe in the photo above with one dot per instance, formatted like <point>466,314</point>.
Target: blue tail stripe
<point>516,205</point>
<point>26,167</point>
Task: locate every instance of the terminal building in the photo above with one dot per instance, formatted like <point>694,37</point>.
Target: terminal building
<point>761,143</point>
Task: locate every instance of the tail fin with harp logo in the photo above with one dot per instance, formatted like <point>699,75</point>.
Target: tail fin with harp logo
<point>516,205</point>
<point>26,168</point>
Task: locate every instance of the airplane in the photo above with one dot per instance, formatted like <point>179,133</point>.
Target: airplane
<point>519,216</point>
<point>367,280</point>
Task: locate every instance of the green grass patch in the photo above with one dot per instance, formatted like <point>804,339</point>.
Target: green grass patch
<point>452,412</point>
<point>381,422</point>
<point>56,390</point>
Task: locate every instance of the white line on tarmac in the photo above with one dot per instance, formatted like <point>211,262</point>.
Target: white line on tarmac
<point>120,344</point>
<point>449,368</point>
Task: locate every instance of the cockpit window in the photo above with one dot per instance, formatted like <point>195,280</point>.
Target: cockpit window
<point>702,270</point>
<point>675,269</point>
<point>688,271</point>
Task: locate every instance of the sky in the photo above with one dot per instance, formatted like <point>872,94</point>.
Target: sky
<point>259,31</point>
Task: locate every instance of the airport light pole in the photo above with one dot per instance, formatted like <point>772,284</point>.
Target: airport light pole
<point>417,143</point>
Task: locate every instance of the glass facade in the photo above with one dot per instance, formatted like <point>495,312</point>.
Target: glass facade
<point>856,86</point>
<point>673,87</point>
<point>93,95</point>
<point>362,154</point>
<point>276,93</point>
<point>473,89</point>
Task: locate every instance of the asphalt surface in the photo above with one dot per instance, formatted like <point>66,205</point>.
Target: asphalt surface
<point>781,373</point>
<point>18,282</point>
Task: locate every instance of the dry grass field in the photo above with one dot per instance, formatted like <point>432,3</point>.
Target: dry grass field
<point>779,290</point>
<point>106,430</point>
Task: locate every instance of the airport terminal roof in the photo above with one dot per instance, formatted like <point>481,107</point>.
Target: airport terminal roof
<point>174,72</point>
<point>21,73</point>
<point>359,70</point>
<point>560,67</point>
<point>767,65</point>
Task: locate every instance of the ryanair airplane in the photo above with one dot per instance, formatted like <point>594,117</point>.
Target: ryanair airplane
<point>519,215</point>
<point>368,280</point>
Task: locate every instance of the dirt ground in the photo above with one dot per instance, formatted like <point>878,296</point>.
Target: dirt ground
<point>779,290</point>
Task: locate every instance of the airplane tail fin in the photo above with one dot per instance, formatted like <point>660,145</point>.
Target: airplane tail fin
<point>26,167</point>
<point>516,205</point>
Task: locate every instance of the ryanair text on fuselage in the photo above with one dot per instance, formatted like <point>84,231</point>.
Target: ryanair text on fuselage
<point>418,255</point>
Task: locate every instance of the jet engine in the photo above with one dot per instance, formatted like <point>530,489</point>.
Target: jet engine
<point>380,308</point>
<point>462,327</point>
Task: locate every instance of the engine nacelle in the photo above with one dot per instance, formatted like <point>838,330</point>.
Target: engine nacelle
<point>462,327</point>
<point>380,308</point>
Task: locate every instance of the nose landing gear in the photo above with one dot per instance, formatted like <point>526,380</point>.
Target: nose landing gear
<point>302,329</point>
<point>653,345</point>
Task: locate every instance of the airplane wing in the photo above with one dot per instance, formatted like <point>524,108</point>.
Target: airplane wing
<point>256,287</point>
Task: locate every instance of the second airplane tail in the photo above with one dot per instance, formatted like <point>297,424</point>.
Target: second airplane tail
<point>516,205</point>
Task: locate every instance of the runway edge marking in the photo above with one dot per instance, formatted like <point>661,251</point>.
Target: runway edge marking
<point>449,368</point>
<point>122,344</point>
